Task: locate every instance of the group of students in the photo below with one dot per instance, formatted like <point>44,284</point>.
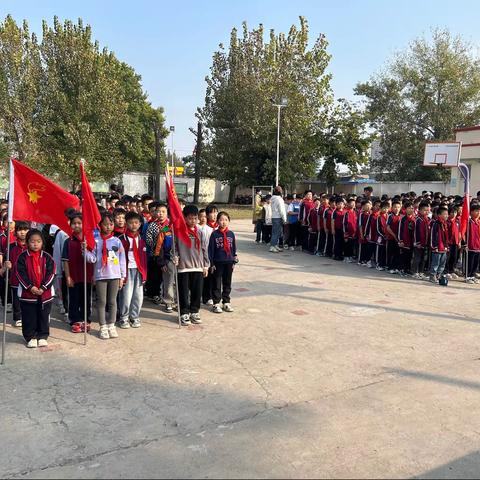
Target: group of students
<point>135,253</point>
<point>408,234</point>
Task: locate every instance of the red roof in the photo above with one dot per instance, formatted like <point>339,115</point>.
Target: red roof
<point>467,129</point>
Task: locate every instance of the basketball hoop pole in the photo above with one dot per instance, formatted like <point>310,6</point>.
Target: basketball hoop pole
<point>465,173</point>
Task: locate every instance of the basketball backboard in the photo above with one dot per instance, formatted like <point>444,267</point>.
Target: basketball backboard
<point>442,154</point>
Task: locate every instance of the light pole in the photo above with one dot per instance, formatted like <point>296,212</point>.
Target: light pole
<point>283,103</point>
<point>172,130</point>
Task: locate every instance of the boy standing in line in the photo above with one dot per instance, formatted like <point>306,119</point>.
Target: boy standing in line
<point>393,250</point>
<point>362,228</point>
<point>337,229</point>
<point>439,244</point>
<point>473,243</point>
<point>350,229</point>
<point>381,253</point>
<point>453,241</point>
<point>406,229</point>
<point>421,240</point>
<point>327,221</point>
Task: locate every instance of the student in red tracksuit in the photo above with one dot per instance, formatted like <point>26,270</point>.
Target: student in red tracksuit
<point>362,226</point>
<point>439,244</point>
<point>454,241</point>
<point>381,253</point>
<point>406,228</point>
<point>313,227</point>
<point>16,249</point>
<point>35,272</point>
<point>327,221</point>
<point>421,240</point>
<point>337,228</point>
<point>322,236</point>
<point>393,250</point>
<point>350,221</point>
<point>473,243</point>
<point>305,207</point>
<point>372,233</point>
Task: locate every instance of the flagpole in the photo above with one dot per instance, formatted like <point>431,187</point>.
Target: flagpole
<point>85,315</point>
<point>7,272</point>
<point>174,251</point>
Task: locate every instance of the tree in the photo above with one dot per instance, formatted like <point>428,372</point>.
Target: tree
<point>344,141</point>
<point>240,120</point>
<point>20,70</point>
<point>425,92</point>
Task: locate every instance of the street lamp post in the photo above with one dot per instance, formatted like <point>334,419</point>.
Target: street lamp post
<point>172,130</point>
<point>283,103</point>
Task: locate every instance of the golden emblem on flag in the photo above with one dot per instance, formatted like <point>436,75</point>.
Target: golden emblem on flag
<point>33,189</point>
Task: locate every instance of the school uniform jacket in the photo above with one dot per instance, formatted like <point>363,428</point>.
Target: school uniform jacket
<point>453,232</point>
<point>350,224</point>
<point>16,249</point>
<point>473,235</point>
<point>422,228</point>
<point>406,228</point>
<point>372,232</point>
<point>313,220</point>
<point>25,275</point>
<point>439,236</point>
<point>363,221</point>
<point>382,229</point>
<point>393,221</point>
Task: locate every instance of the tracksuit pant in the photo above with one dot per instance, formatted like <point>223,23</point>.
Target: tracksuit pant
<point>406,259</point>
<point>452,258</point>
<point>381,256</point>
<point>35,320</point>
<point>418,265</point>
<point>393,254</point>
<point>222,282</point>
<point>338,244</point>
<point>190,291</point>
<point>76,303</point>
<point>473,262</point>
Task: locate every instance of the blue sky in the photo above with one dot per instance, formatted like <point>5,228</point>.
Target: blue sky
<point>170,44</point>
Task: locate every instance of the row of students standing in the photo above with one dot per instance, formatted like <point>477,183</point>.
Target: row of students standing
<point>398,235</point>
<point>130,249</point>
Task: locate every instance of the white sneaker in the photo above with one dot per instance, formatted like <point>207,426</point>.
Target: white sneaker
<point>124,324</point>
<point>274,249</point>
<point>18,323</point>
<point>217,308</point>
<point>454,276</point>
<point>380,269</point>
<point>169,309</point>
<point>227,307</point>
<point>32,343</point>
<point>292,249</point>
<point>135,323</point>
<point>195,318</point>
<point>103,334</point>
<point>42,343</point>
<point>210,302</point>
<point>392,272</point>
<point>470,280</point>
<point>112,331</point>
<point>185,320</point>
<point>370,264</point>
<point>9,308</point>
<point>62,311</point>
<point>416,276</point>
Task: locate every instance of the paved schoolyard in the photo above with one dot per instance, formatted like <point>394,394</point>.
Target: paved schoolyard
<point>324,370</point>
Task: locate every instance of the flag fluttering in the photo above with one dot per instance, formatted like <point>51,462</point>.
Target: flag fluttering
<point>465,214</point>
<point>35,198</point>
<point>177,220</point>
<point>90,214</point>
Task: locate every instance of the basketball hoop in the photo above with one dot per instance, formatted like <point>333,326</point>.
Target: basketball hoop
<point>442,154</point>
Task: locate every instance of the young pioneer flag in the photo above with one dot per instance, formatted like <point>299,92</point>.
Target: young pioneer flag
<point>35,198</point>
<point>90,214</point>
<point>176,215</point>
<point>465,215</point>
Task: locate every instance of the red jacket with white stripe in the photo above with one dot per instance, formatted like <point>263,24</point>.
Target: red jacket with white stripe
<point>25,276</point>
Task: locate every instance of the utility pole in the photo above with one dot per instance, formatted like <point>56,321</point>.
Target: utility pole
<point>156,130</point>
<point>198,153</point>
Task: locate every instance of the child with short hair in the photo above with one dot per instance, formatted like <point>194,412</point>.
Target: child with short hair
<point>16,249</point>
<point>473,243</point>
<point>327,221</point>
<point>372,233</point>
<point>381,247</point>
<point>267,219</point>
<point>35,271</point>
<point>73,267</point>
<point>119,222</point>
<point>222,253</point>
<point>439,244</point>
<point>193,264</point>
<point>364,252</point>
<point>131,295</point>
<point>109,274</point>
<point>393,250</point>
<point>337,229</point>
<point>207,230</point>
<point>313,227</point>
<point>406,228</point>
<point>257,218</point>
<point>212,213</point>
<point>349,229</point>
<point>421,240</point>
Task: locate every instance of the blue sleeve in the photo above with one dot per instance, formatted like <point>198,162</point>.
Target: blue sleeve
<point>211,248</point>
<point>234,245</point>
<point>65,257</point>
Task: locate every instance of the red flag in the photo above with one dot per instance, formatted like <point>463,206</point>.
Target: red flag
<point>90,214</point>
<point>35,198</point>
<point>465,214</point>
<point>176,215</point>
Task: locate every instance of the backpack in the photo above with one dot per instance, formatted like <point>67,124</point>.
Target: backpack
<point>443,281</point>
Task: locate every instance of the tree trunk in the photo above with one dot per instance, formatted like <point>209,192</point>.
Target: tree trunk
<point>231,194</point>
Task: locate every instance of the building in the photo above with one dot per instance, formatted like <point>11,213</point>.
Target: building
<point>470,155</point>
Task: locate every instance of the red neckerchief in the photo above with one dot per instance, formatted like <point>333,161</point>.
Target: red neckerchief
<point>226,243</point>
<point>211,224</point>
<point>23,246</point>
<point>163,224</point>
<point>194,232</point>
<point>120,230</point>
<point>136,252</point>
<point>104,249</point>
<point>147,216</point>
<point>77,236</point>
<point>37,268</point>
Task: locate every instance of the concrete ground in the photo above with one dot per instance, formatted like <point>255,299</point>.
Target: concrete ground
<point>324,370</point>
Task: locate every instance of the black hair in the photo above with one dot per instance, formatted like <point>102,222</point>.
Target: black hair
<point>120,204</point>
<point>408,204</point>
<point>332,199</point>
<point>223,214</point>
<point>474,206</point>
<point>423,204</point>
<point>153,204</point>
<point>145,197</point>
<point>202,210</point>
<point>133,216</point>
<point>118,211</point>
<point>105,215</point>
<point>364,202</point>
<point>452,209</point>
<point>162,205</point>
<point>35,231</point>
<point>339,199</point>
<point>73,216</point>
<point>368,189</point>
<point>21,225</point>
<point>385,204</point>
<point>210,208</point>
<point>190,210</point>
<point>441,209</point>
<point>267,197</point>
